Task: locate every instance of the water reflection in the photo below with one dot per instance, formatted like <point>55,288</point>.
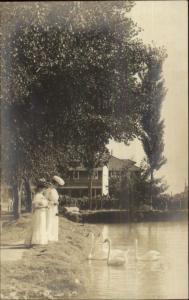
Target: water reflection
<point>165,278</point>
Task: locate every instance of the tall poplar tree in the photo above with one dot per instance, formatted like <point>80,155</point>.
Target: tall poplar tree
<point>152,93</point>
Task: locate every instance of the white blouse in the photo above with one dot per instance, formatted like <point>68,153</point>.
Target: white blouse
<point>52,195</point>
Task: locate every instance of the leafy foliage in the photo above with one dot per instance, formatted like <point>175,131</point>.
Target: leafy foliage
<point>74,75</point>
<point>133,189</point>
<point>68,72</point>
<point>152,91</point>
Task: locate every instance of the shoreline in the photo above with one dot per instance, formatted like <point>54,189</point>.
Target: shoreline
<point>57,270</point>
<point>124,216</point>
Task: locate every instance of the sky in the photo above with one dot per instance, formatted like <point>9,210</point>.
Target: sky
<point>165,23</point>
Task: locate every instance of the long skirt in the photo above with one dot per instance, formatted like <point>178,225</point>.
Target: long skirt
<point>55,224</point>
<point>50,222</point>
<point>38,232</point>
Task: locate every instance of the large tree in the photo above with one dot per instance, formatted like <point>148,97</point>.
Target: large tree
<point>152,93</point>
<point>60,58</point>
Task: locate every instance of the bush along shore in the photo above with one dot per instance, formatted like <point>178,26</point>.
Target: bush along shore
<point>58,270</point>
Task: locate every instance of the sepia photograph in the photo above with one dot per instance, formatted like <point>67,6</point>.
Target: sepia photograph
<point>94,150</point>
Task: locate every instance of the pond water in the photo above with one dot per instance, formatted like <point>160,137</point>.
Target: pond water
<point>166,278</point>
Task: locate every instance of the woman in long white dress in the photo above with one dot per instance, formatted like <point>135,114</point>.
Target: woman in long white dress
<point>38,233</point>
<point>52,213</point>
<point>52,219</point>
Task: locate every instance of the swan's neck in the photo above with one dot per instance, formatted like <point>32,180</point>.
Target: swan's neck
<point>92,247</point>
<point>109,247</point>
<point>136,248</point>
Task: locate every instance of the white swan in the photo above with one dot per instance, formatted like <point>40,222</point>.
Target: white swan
<point>96,254</point>
<point>148,256</point>
<point>115,257</point>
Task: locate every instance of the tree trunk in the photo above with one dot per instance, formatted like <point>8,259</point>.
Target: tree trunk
<point>28,196</point>
<point>151,187</point>
<point>20,193</point>
<point>130,202</point>
<point>90,191</point>
<point>17,201</point>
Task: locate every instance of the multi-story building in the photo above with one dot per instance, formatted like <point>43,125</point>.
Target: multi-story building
<point>77,183</point>
<point>116,166</point>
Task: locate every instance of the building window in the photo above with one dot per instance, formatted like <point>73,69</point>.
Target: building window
<point>75,174</point>
<point>114,174</point>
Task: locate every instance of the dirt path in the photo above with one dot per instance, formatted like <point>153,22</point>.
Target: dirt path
<point>12,252</point>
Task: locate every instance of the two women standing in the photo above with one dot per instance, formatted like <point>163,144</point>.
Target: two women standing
<point>45,213</point>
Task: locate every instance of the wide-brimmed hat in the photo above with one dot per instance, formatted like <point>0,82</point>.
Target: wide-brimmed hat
<point>58,180</point>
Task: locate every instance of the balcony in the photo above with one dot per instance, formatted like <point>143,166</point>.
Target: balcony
<point>81,183</point>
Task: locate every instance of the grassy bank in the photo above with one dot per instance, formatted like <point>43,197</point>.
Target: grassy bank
<point>60,271</point>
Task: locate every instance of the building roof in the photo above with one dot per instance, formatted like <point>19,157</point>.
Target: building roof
<point>134,169</point>
<point>114,164</point>
<point>117,164</point>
